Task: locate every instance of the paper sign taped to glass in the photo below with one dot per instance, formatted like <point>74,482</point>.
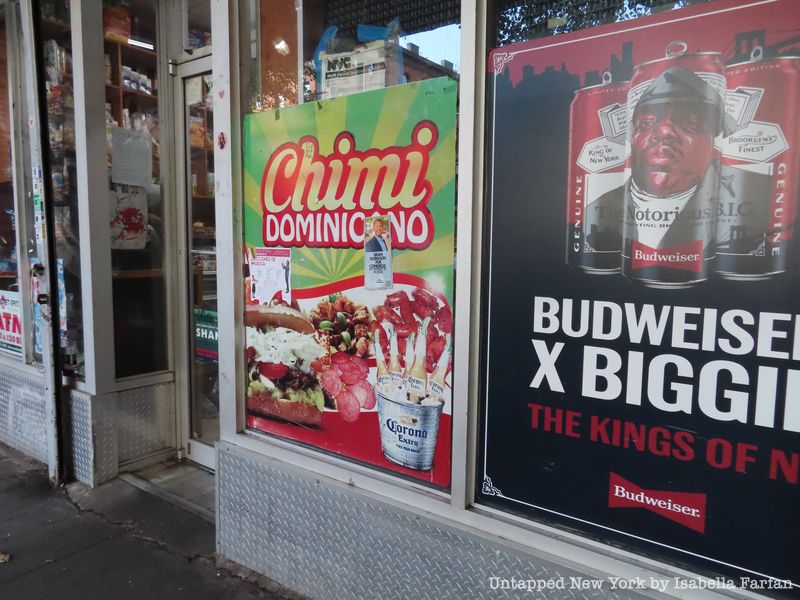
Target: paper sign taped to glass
<point>132,153</point>
<point>206,335</point>
<point>128,218</point>
<point>378,274</point>
<point>361,70</point>
<point>270,275</point>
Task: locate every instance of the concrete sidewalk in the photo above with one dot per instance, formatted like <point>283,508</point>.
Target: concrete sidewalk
<point>113,542</point>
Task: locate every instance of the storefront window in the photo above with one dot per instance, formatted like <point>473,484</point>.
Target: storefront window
<point>8,242</point>
<point>338,50</point>
<point>349,219</point>
<point>57,45</point>
<point>19,74</point>
<point>198,25</point>
<point>642,285</point>
<point>133,138</point>
<point>11,298</point>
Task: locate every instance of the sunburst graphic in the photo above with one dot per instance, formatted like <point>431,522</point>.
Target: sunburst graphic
<point>377,119</point>
<point>316,266</point>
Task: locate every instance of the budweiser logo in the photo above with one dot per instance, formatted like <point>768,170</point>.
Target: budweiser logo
<point>686,257</point>
<point>686,508</point>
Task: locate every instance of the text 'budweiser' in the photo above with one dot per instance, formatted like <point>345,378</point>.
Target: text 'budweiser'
<point>720,389</point>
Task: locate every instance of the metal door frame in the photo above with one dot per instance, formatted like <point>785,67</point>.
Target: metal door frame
<point>41,192</point>
<point>198,452</point>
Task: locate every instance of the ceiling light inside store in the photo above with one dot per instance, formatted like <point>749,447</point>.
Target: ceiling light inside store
<point>140,44</point>
<point>282,47</point>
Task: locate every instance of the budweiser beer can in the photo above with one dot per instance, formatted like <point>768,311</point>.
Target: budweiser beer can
<point>760,162</point>
<point>675,116</point>
<point>596,166</point>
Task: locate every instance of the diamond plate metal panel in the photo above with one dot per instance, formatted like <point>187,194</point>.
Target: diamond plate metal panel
<point>82,446</point>
<point>94,442</point>
<point>333,543</point>
<point>23,413</point>
<point>145,421</point>
<point>106,456</point>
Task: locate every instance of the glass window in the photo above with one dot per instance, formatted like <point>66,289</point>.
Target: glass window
<point>339,49</point>
<point>57,51</point>
<point>8,241</point>
<point>11,297</point>
<point>198,25</point>
<point>133,134</point>
<point>202,293</point>
<point>349,159</point>
<point>29,218</point>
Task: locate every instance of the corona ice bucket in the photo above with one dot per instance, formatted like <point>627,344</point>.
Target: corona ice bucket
<point>408,431</point>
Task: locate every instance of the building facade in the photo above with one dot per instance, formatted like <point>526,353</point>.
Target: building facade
<point>458,299</point>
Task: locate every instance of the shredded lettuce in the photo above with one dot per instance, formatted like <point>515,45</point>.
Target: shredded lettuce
<point>313,396</point>
<point>285,346</point>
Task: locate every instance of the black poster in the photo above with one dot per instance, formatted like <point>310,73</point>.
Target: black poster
<point>642,293</point>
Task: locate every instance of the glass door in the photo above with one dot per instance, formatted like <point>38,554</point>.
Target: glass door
<point>202,376</point>
<point>34,223</point>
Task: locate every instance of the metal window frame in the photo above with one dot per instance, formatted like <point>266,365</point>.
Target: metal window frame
<point>227,160</point>
<point>227,114</point>
<point>456,508</point>
<point>86,24</point>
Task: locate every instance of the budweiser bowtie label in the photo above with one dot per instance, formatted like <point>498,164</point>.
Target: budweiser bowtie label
<point>686,257</point>
<point>656,337</point>
<point>688,509</point>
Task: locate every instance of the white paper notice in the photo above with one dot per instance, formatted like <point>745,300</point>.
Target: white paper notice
<point>270,275</point>
<point>353,72</point>
<point>194,91</point>
<point>132,157</point>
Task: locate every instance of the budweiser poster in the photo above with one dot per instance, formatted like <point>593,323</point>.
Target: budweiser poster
<point>349,348</point>
<point>642,373</point>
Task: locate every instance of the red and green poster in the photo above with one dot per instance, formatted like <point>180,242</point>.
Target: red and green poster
<point>336,193</point>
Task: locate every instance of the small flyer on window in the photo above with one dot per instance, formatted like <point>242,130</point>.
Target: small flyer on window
<point>128,213</point>
<point>378,273</point>
<point>271,274</point>
<point>206,336</point>
<point>361,70</point>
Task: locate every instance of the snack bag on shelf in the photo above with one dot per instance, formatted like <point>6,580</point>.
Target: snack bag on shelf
<point>117,23</point>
